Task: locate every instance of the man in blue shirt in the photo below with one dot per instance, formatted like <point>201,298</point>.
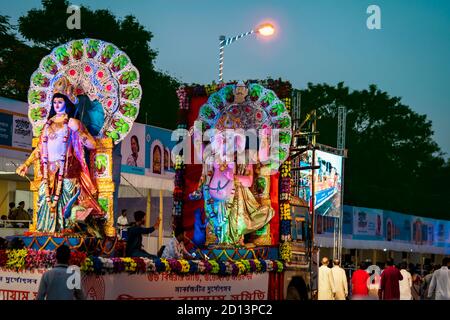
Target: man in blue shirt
<point>54,284</point>
<point>134,242</point>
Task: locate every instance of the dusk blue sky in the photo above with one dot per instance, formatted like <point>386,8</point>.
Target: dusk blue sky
<point>316,41</point>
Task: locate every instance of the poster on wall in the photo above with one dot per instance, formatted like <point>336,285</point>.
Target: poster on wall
<point>397,231</point>
<point>133,150</point>
<point>22,132</point>
<point>328,179</point>
<point>158,148</point>
<point>15,135</point>
<point>368,222</point>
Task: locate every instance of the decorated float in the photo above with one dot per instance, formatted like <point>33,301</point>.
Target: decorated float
<point>83,100</point>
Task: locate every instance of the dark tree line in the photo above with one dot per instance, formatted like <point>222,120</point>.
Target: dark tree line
<point>393,162</point>
<point>45,28</point>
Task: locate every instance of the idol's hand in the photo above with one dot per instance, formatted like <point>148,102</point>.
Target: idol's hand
<point>74,124</point>
<point>22,170</point>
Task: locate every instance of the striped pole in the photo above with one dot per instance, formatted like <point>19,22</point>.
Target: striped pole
<point>221,47</point>
<point>223,42</point>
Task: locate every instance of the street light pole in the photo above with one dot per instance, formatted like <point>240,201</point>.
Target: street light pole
<point>221,50</point>
<point>265,30</point>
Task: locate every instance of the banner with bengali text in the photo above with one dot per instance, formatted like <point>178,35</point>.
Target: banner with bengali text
<point>24,285</point>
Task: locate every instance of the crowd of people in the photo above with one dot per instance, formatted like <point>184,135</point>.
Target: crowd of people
<point>17,214</point>
<point>394,282</point>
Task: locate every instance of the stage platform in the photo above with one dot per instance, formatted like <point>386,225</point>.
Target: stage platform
<point>224,254</point>
<point>107,247</point>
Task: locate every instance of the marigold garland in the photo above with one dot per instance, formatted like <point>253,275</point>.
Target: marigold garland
<point>16,259</point>
<point>34,259</point>
<point>286,251</point>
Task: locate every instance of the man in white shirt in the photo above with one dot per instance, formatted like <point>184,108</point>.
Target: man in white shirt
<point>175,249</point>
<point>122,222</point>
<point>440,283</point>
<point>406,283</point>
<point>326,289</point>
<point>340,281</point>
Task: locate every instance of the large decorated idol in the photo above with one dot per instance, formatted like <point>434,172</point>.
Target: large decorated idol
<point>250,134</point>
<point>83,99</point>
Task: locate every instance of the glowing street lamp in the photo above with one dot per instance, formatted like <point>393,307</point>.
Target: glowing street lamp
<point>265,29</point>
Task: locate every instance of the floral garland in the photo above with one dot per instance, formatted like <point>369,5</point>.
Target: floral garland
<point>285,207</point>
<point>283,89</point>
<point>16,259</point>
<point>52,201</point>
<point>28,259</point>
<point>179,184</point>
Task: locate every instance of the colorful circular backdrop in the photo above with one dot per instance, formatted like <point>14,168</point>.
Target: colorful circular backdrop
<point>261,109</point>
<point>97,69</point>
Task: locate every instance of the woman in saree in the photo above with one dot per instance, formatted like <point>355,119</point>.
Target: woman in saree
<point>65,175</point>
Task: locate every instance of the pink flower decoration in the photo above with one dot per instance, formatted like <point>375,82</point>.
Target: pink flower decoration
<point>72,72</point>
<point>100,74</point>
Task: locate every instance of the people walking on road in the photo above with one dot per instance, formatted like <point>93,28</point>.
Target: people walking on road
<point>360,279</point>
<point>326,289</point>
<point>440,282</point>
<point>374,283</point>
<point>416,289</point>
<point>426,284</point>
<point>406,283</point>
<point>340,281</point>
<point>390,282</point>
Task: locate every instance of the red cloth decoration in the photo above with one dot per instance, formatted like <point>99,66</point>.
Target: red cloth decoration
<point>276,286</point>
<point>192,173</point>
<point>274,198</point>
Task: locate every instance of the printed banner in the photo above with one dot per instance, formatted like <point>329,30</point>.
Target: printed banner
<point>328,179</point>
<point>176,287</point>
<point>21,132</point>
<point>391,230</point>
<point>368,222</point>
<point>6,121</point>
<point>133,150</point>
<point>24,285</point>
<point>147,151</point>
<point>158,148</point>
